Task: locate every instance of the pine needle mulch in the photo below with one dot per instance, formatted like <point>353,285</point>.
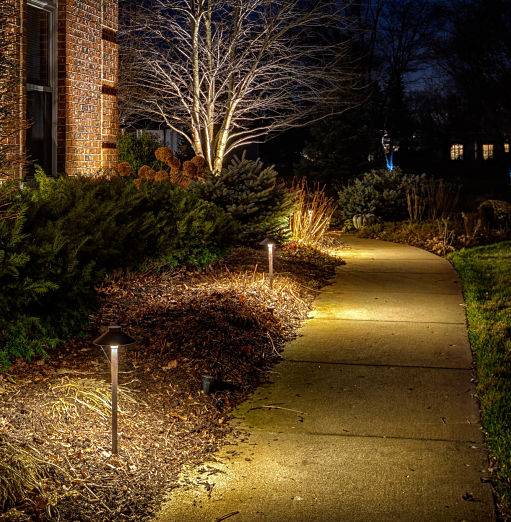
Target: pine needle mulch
<point>224,321</point>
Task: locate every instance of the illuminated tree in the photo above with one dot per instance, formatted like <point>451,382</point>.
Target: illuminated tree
<point>225,74</point>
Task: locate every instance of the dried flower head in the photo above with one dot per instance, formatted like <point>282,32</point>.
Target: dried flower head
<point>201,165</point>
<point>190,170</point>
<point>124,169</point>
<point>166,156</point>
<point>161,175</point>
<point>146,172</point>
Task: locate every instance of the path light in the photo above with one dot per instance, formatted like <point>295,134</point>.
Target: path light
<point>270,244</point>
<point>114,337</point>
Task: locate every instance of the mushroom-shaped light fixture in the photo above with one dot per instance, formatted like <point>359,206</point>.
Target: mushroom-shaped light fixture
<point>114,337</point>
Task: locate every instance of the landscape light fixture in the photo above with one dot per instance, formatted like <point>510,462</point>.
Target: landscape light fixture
<point>115,338</point>
<point>270,244</point>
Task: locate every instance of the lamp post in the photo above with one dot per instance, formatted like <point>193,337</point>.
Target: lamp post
<point>270,244</point>
<point>114,337</point>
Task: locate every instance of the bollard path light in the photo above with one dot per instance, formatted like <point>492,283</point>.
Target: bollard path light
<point>114,337</point>
<point>271,245</point>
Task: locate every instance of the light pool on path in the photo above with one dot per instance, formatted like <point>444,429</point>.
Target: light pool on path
<point>371,415</point>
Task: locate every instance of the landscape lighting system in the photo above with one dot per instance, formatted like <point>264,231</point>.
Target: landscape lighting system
<point>270,244</point>
<point>115,338</point>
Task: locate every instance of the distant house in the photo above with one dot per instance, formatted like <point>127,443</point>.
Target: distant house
<point>68,70</point>
<point>480,151</point>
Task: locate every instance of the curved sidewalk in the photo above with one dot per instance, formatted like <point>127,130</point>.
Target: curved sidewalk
<point>371,415</point>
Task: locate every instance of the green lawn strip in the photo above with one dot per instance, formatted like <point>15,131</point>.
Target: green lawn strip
<point>486,276</point>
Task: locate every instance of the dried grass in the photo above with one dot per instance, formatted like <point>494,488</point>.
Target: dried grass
<point>91,394</point>
<point>312,215</point>
<point>431,199</point>
<point>23,472</point>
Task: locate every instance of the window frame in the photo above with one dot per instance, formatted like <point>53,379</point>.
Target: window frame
<point>50,6</point>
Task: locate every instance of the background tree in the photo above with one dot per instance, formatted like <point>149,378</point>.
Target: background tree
<point>11,124</point>
<point>225,74</point>
<point>475,57</point>
<point>404,38</point>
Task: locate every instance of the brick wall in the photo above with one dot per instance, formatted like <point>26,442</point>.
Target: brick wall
<point>12,100</point>
<point>87,70</point>
<point>110,73</point>
<point>87,85</point>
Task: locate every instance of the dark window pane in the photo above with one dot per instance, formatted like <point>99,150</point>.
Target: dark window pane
<point>38,46</point>
<point>39,134</point>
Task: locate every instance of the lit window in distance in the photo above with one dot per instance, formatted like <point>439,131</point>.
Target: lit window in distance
<point>487,151</point>
<point>456,151</point>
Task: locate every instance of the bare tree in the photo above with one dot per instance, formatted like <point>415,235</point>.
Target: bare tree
<point>227,73</point>
<point>11,122</point>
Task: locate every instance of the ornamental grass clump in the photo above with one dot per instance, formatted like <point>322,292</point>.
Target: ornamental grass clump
<point>75,395</point>
<point>23,472</point>
<point>428,198</point>
<point>312,213</point>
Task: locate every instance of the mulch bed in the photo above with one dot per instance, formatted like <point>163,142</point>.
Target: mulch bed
<point>223,321</point>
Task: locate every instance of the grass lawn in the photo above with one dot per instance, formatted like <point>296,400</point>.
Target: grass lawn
<point>486,276</point>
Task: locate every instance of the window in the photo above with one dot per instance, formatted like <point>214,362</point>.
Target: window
<point>456,151</point>
<point>506,148</point>
<point>40,86</point>
<point>487,151</point>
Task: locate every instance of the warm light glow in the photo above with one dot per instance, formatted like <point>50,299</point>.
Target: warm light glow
<point>114,348</point>
<point>456,151</point>
<point>506,148</point>
<point>270,248</point>
<point>487,151</point>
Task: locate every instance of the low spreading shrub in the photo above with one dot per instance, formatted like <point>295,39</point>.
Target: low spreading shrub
<point>252,195</point>
<point>59,239</point>
<point>380,192</point>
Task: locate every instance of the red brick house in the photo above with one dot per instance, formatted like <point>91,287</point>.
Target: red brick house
<point>68,69</point>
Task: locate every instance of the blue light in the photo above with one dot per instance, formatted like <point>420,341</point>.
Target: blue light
<point>389,160</point>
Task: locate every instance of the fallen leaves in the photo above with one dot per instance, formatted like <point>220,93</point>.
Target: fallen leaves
<point>223,321</point>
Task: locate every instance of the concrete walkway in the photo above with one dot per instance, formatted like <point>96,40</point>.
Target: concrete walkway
<point>371,415</point>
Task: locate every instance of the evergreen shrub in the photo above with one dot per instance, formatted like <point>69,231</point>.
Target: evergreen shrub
<point>137,150</point>
<point>380,192</point>
<point>59,239</point>
<point>253,196</point>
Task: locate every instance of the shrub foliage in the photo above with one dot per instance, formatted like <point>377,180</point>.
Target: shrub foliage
<point>59,239</point>
<point>252,195</point>
<point>137,150</point>
<point>380,192</point>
